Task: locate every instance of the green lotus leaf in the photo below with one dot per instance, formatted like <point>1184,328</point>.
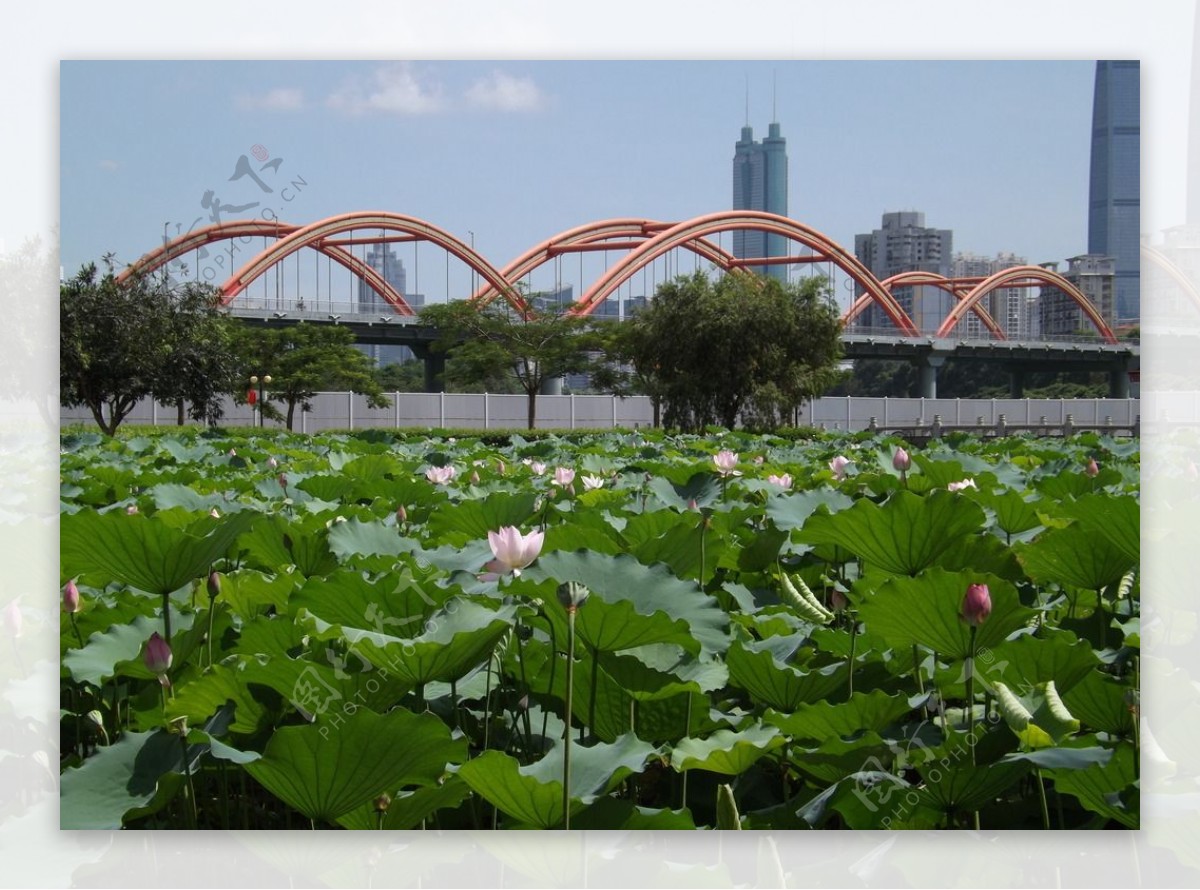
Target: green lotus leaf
<point>726,752</point>
<point>144,551</point>
<point>1074,556</point>
<point>277,544</point>
<point>904,535</point>
<point>1118,518</point>
<point>1109,789</point>
<point>118,650</point>
<point>533,794</point>
<point>704,488</point>
<point>1027,660</point>
<point>1101,703</point>
<point>408,809</point>
<point>471,520</point>
<point>963,787</point>
<point>791,511</point>
<point>862,711</point>
<point>769,680</point>
<point>328,768</point>
<point>1062,758</point>
<point>926,611</point>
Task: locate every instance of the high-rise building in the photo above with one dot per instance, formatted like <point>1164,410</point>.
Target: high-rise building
<point>1114,209</point>
<point>905,244</point>
<point>1095,276</point>
<point>1013,308</point>
<point>760,183</point>
<point>383,260</point>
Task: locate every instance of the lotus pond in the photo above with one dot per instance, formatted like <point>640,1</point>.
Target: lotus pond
<point>621,630</point>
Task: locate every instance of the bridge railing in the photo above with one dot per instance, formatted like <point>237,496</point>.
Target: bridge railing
<point>345,410</point>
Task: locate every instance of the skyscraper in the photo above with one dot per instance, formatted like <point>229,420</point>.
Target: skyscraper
<point>383,260</point>
<point>1114,209</point>
<point>760,183</point>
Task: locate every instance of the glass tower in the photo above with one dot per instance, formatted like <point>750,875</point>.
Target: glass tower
<point>760,183</point>
<point>1114,212</point>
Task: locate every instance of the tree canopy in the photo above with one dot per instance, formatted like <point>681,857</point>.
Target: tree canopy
<point>498,343</point>
<point>302,360</point>
<point>120,342</point>
<point>737,347</point>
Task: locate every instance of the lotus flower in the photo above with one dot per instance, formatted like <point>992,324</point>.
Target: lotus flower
<point>1093,468</point>
<point>838,465</point>
<point>784,481</point>
<point>282,480</point>
<point>70,597</point>
<point>537,467</point>
<point>591,483</point>
<point>976,604</point>
<point>692,504</point>
<point>959,486</point>
<point>440,475</point>
<point>131,509</point>
<point>214,513</point>
<point>474,477</point>
<point>513,551</point>
<point>901,462</point>
<point>158,658</point>
<point>214,585</point>
<point>563,476</point>
<point>401,514</point>
<point>726,461</point>
<point>272,463</point>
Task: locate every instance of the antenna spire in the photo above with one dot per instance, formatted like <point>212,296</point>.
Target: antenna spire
<point>774,91</point>
<point>747,100</point>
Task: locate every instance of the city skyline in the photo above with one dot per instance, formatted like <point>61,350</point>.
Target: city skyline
<point>511,153</point>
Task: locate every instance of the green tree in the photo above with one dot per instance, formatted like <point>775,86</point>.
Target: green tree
<point>738,346</point>
<point>120,342</point>
<point>304,359</point>
<point>499,344</point>
<point>406,376</point>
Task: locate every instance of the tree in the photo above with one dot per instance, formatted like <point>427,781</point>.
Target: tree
<point>740,346</point>
<point>120,342</point>
<point>498,343</point>
<point>406,376</point>
<point>304,359</point>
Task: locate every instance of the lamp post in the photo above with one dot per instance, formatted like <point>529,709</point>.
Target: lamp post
<point>261,385</point>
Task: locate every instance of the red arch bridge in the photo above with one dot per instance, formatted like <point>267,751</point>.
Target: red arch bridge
<point>261,287</point>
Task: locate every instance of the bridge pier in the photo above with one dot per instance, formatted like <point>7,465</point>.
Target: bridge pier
<point>1016,383</point>
<point>927,368</point>
<point>1118,381</point>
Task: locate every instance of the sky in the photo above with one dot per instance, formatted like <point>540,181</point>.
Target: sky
<point>507,153</point>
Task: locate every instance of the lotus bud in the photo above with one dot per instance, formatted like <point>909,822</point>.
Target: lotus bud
<point>976,605</point>
<point>475,477</point>
<point>401,514</point>
<point>233,452</point>
<point>1093,468</point>
<point>272,463</point>
<point>838,600</point>
<point>13,620</point>
<point>692,505</point>
<point>838,466</point>
<point>214,585</point>
<point>70,597</point>
<point>282,480</point>
<point>901,461</point>
<point>500,468</point>
<point>572,595</point>
<point>131,509</point>
<point>214,514</point>
<point>158,658</point>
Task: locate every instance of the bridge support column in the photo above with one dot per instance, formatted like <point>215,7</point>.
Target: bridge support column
<point>1118,381</point>
<point>1016,383</point>
<point>435,371</point>
<point>927,368</point>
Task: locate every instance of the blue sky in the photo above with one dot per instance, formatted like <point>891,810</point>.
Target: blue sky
<point>516,151</point>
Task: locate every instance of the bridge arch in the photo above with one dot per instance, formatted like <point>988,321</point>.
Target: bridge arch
<point>226,231</point>
<point>955,287</point>
<point>319,233</point>
<point>597,236</point>
<point>1026,276</point>
<point>732,220</point>
<point>1165,264</point>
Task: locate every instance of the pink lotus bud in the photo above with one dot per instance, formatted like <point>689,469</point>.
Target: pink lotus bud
<point>901,461</point>
<point>976,605</point>
<point>272,464</point>
<point>475,477</point>
<point>70,597</point>
<point>233,452</point>
<point>838,600</point>
<point>838,466</point>
<point>692,505</point>
<point>214,514</point>
<point>1093,468</point>
<point>758,461</point>
<point>725,462</point>
<point>214,585</point>
<point>563,476</point>
<point>282,479</point>
<point>500,468</point>
<point>401,514</point>
<point>158,657</point>
<point>131,509</point>
<point>513,551</point>
<point>537,467</point>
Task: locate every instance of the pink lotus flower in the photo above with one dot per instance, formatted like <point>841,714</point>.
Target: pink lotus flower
<point>725,462</point>
<point>513,551</point>
<point>1093,468</point>
<point>959,486</point>
<point>591,483</point>
<point>692,505</point>
<point>537,467</point>
<point>233,452</point>
<point>758,461</point>
<point>838,466</point>
<point>976,604</point>
<point>70,597</point>
<point>784,481</point>
<point>901,462</point>
<point>440,475</point>
<point>272,464</point>
<point>158,658</point>
<point>563,476</point>
<point>214,514</point>
<point>500,468</point>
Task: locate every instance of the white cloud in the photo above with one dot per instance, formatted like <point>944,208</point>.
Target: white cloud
<point>108,164</point>
<point>504,92</point>
<point>393,89</point>
<point>278,99</point>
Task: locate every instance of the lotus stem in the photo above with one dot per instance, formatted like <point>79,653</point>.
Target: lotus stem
<point>566,800</point>
<point>75,627</point>
<point>850,658</point>
<point>592,702</point>
<point>917,670</point>
<point>1042,799</point>
<point>166,608</point>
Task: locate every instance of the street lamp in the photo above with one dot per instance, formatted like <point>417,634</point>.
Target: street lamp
<point>261,384</point>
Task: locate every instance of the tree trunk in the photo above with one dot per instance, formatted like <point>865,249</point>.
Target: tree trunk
<point>291,413</point>
<point>179,413</point>
<point>532,406</point>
